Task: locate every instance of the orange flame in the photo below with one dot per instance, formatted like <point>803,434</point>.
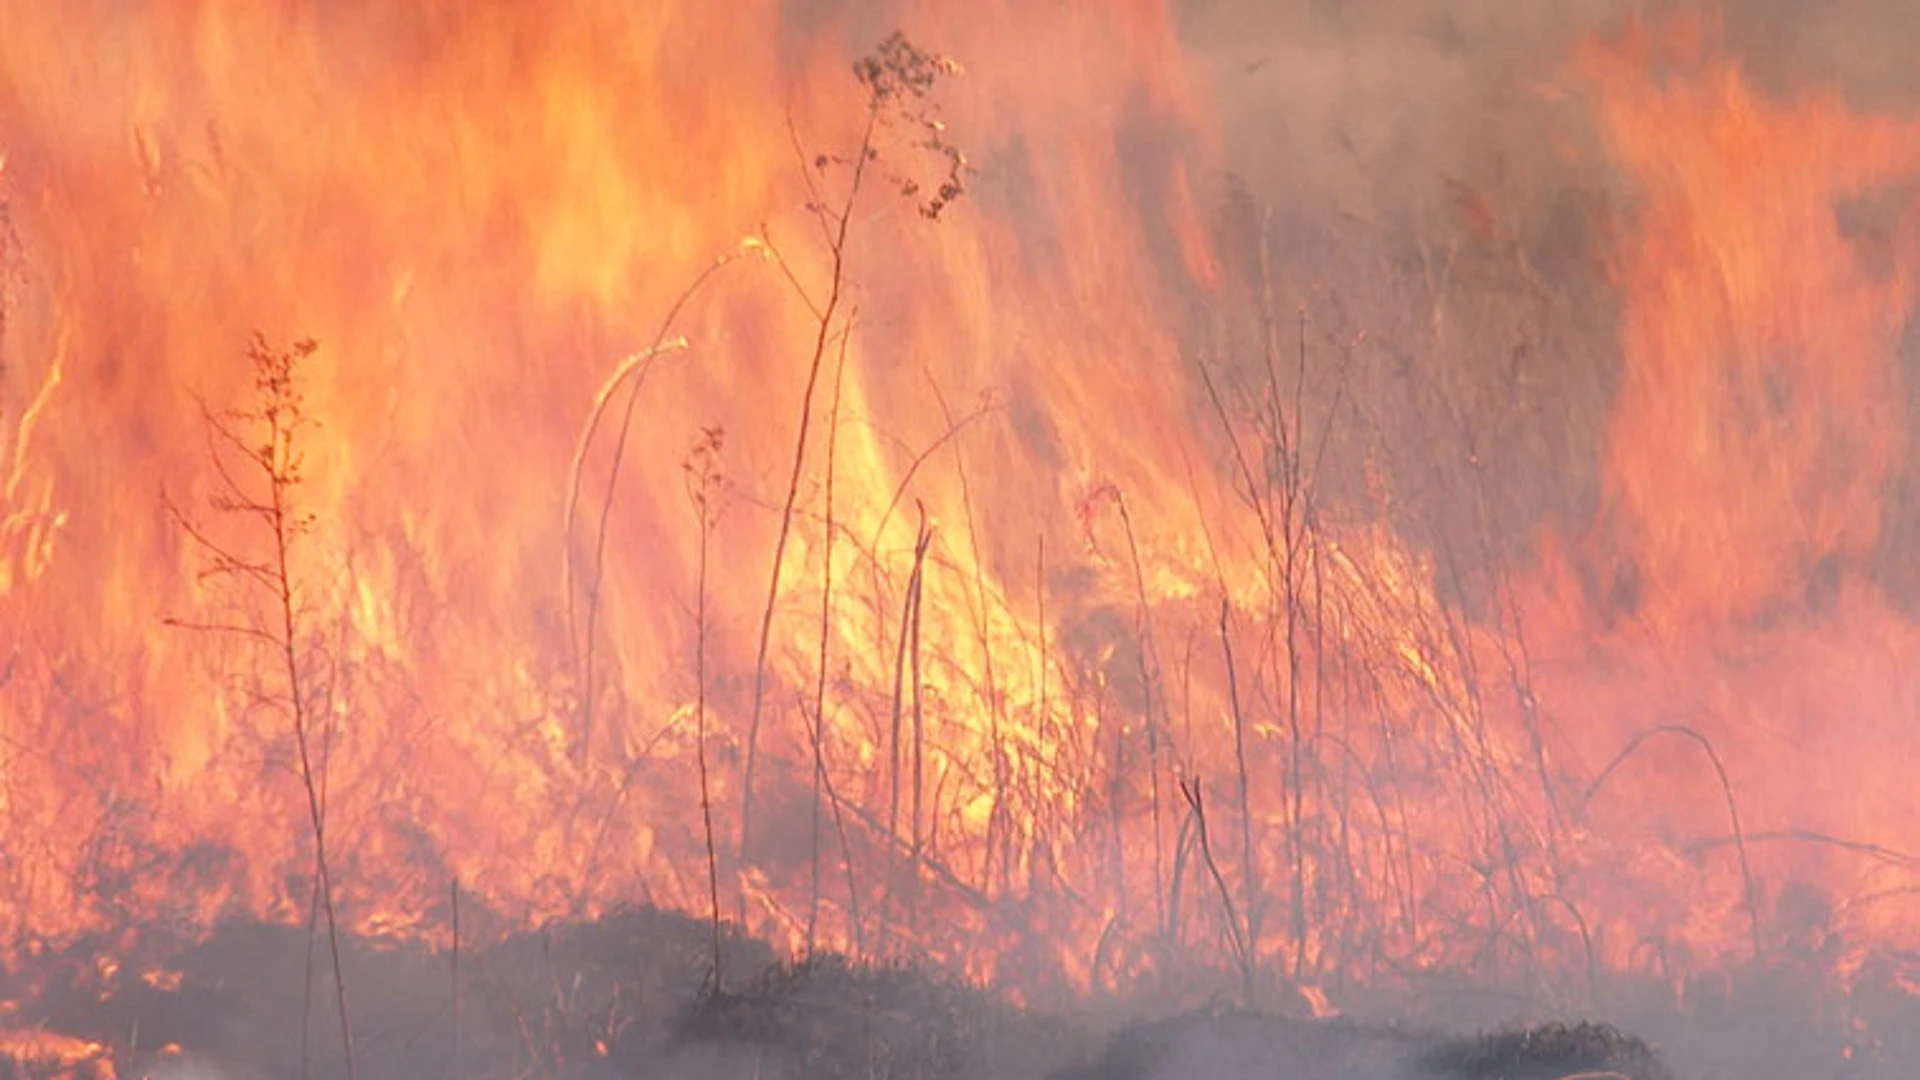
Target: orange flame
<point>1106,675</point>
<point>1758,421</point>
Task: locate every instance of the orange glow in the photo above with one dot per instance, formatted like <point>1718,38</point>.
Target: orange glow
<point>1758,422</point>
<point>484,216</point>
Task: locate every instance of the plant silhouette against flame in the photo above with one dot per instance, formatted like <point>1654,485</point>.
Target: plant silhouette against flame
<point>898,78</point>
<point>256,456</point>
<point>704,472</point>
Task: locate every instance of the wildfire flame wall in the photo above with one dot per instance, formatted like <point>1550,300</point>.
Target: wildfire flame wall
<point>1248,521</point>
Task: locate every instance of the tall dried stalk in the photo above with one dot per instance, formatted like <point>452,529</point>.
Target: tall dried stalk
<point>823,330</point>
<point>633,370</point>
<point>705,481</point>
<point>897,78</point>
<point>1250,871</point>
<point>919,730</point>
<point>1293,526</point>
<point>996,817</point>
<point>1733,811</point>
<point>1238,937</point>
<point>856,938</point>
<point>819,726</point>
<point>264,438</point>
<point>908,651</point>
<point>1149,663</point>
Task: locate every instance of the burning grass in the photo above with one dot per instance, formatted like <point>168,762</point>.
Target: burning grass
<point>1169,671</point>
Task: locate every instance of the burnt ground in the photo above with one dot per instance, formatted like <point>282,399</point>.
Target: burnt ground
<point>1230,1046</point>
<point>629,996</point>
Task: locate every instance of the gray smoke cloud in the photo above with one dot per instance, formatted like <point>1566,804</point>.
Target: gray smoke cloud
<point>1431,175</point>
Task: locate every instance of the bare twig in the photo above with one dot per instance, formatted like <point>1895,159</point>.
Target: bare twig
<point>706,483</point>
<point>636,367</point>
<point>909,643</point>
<point>1242,947</point>
<point>897,78</point>
<point>265,437</point>
<point>996,817</point>
<point>1249,870</point>
<point>823,329</point>
<point>826,635</point>
<point>1726,790</point>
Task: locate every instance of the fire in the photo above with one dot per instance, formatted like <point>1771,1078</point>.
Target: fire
<point>1754,445</point>
<point>1758,424</point>
<point>56,1055</point>
<point>1071,666</point>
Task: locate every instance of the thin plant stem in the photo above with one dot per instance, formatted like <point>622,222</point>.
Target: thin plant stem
<point>826,633</point>
<point>824,327</point>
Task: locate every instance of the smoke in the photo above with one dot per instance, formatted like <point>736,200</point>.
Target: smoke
<point>172,1064</point>
<point>1383,99</point>
<point>1435,177</point>
<point>1432,176</point>
<point>1429,184</point>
